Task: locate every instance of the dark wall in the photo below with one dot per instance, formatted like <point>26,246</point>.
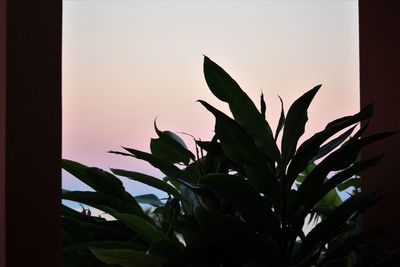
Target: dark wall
<point>2,127</point>
<point>380,83</point>
<point>33,132</point>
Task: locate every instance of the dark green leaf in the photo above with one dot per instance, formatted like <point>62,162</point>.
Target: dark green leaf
<point>221,227</point>
<point>240,148</point>
<point>263,107</point>
<point>281,122</point>
<point>328,203</point>
<point>356,168</point>
<point>149,199</point>
<point>322,188</point>
<point>337,160</point>
<point>166,167</point>
<point>343,157</point>
<point>104,202</point>
<point>237,144</point>
<point>140,225</point>
<point>238,190</point>
<point>354,182</point>
<point>127,257</point>
<point>166,249</point>
<point>243,109</point>
<point>353,242</point>
<point>149,180</point>
<point>74,230</point>
<point>331,145</point>
<point>310,167</point>
<point>170,147</point>
<point>213,147</point>
<point>324,231</point>
<point>311,147</point>
<point>163,150</point>
<point>68,212</point>
<point>295,123</point>
<point>97,179</point>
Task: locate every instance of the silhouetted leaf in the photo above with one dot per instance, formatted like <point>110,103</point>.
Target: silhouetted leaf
<point>164,166</point>
<point>310,147</point>
<point>104,202</point>
<point>263,107</point>
<point>161,149</point>
<point>68,212</point>
<point>171,147</point>
<point>236,189</point>
<point>240,148</point>
<point>356,168</point>
<point>331,145</point>
<point>243,109</point>
<point>325,230</point>
<point>337,160</point>
<point>237,144</point>
<point>296,119</point>
<point>96,178</point>
<point>281,122</point>
<point>149,180</point>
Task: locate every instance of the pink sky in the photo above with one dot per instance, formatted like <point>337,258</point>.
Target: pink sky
<point>126,62</point>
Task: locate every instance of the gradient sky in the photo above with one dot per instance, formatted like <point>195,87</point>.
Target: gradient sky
<point>127,62</point>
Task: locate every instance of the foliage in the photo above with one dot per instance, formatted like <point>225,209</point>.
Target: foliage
<point>244,203</point>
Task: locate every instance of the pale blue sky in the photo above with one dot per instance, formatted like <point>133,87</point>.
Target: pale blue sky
<point>126,62</point>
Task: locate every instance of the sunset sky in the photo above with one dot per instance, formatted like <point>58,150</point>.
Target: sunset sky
<point>127,62</point>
